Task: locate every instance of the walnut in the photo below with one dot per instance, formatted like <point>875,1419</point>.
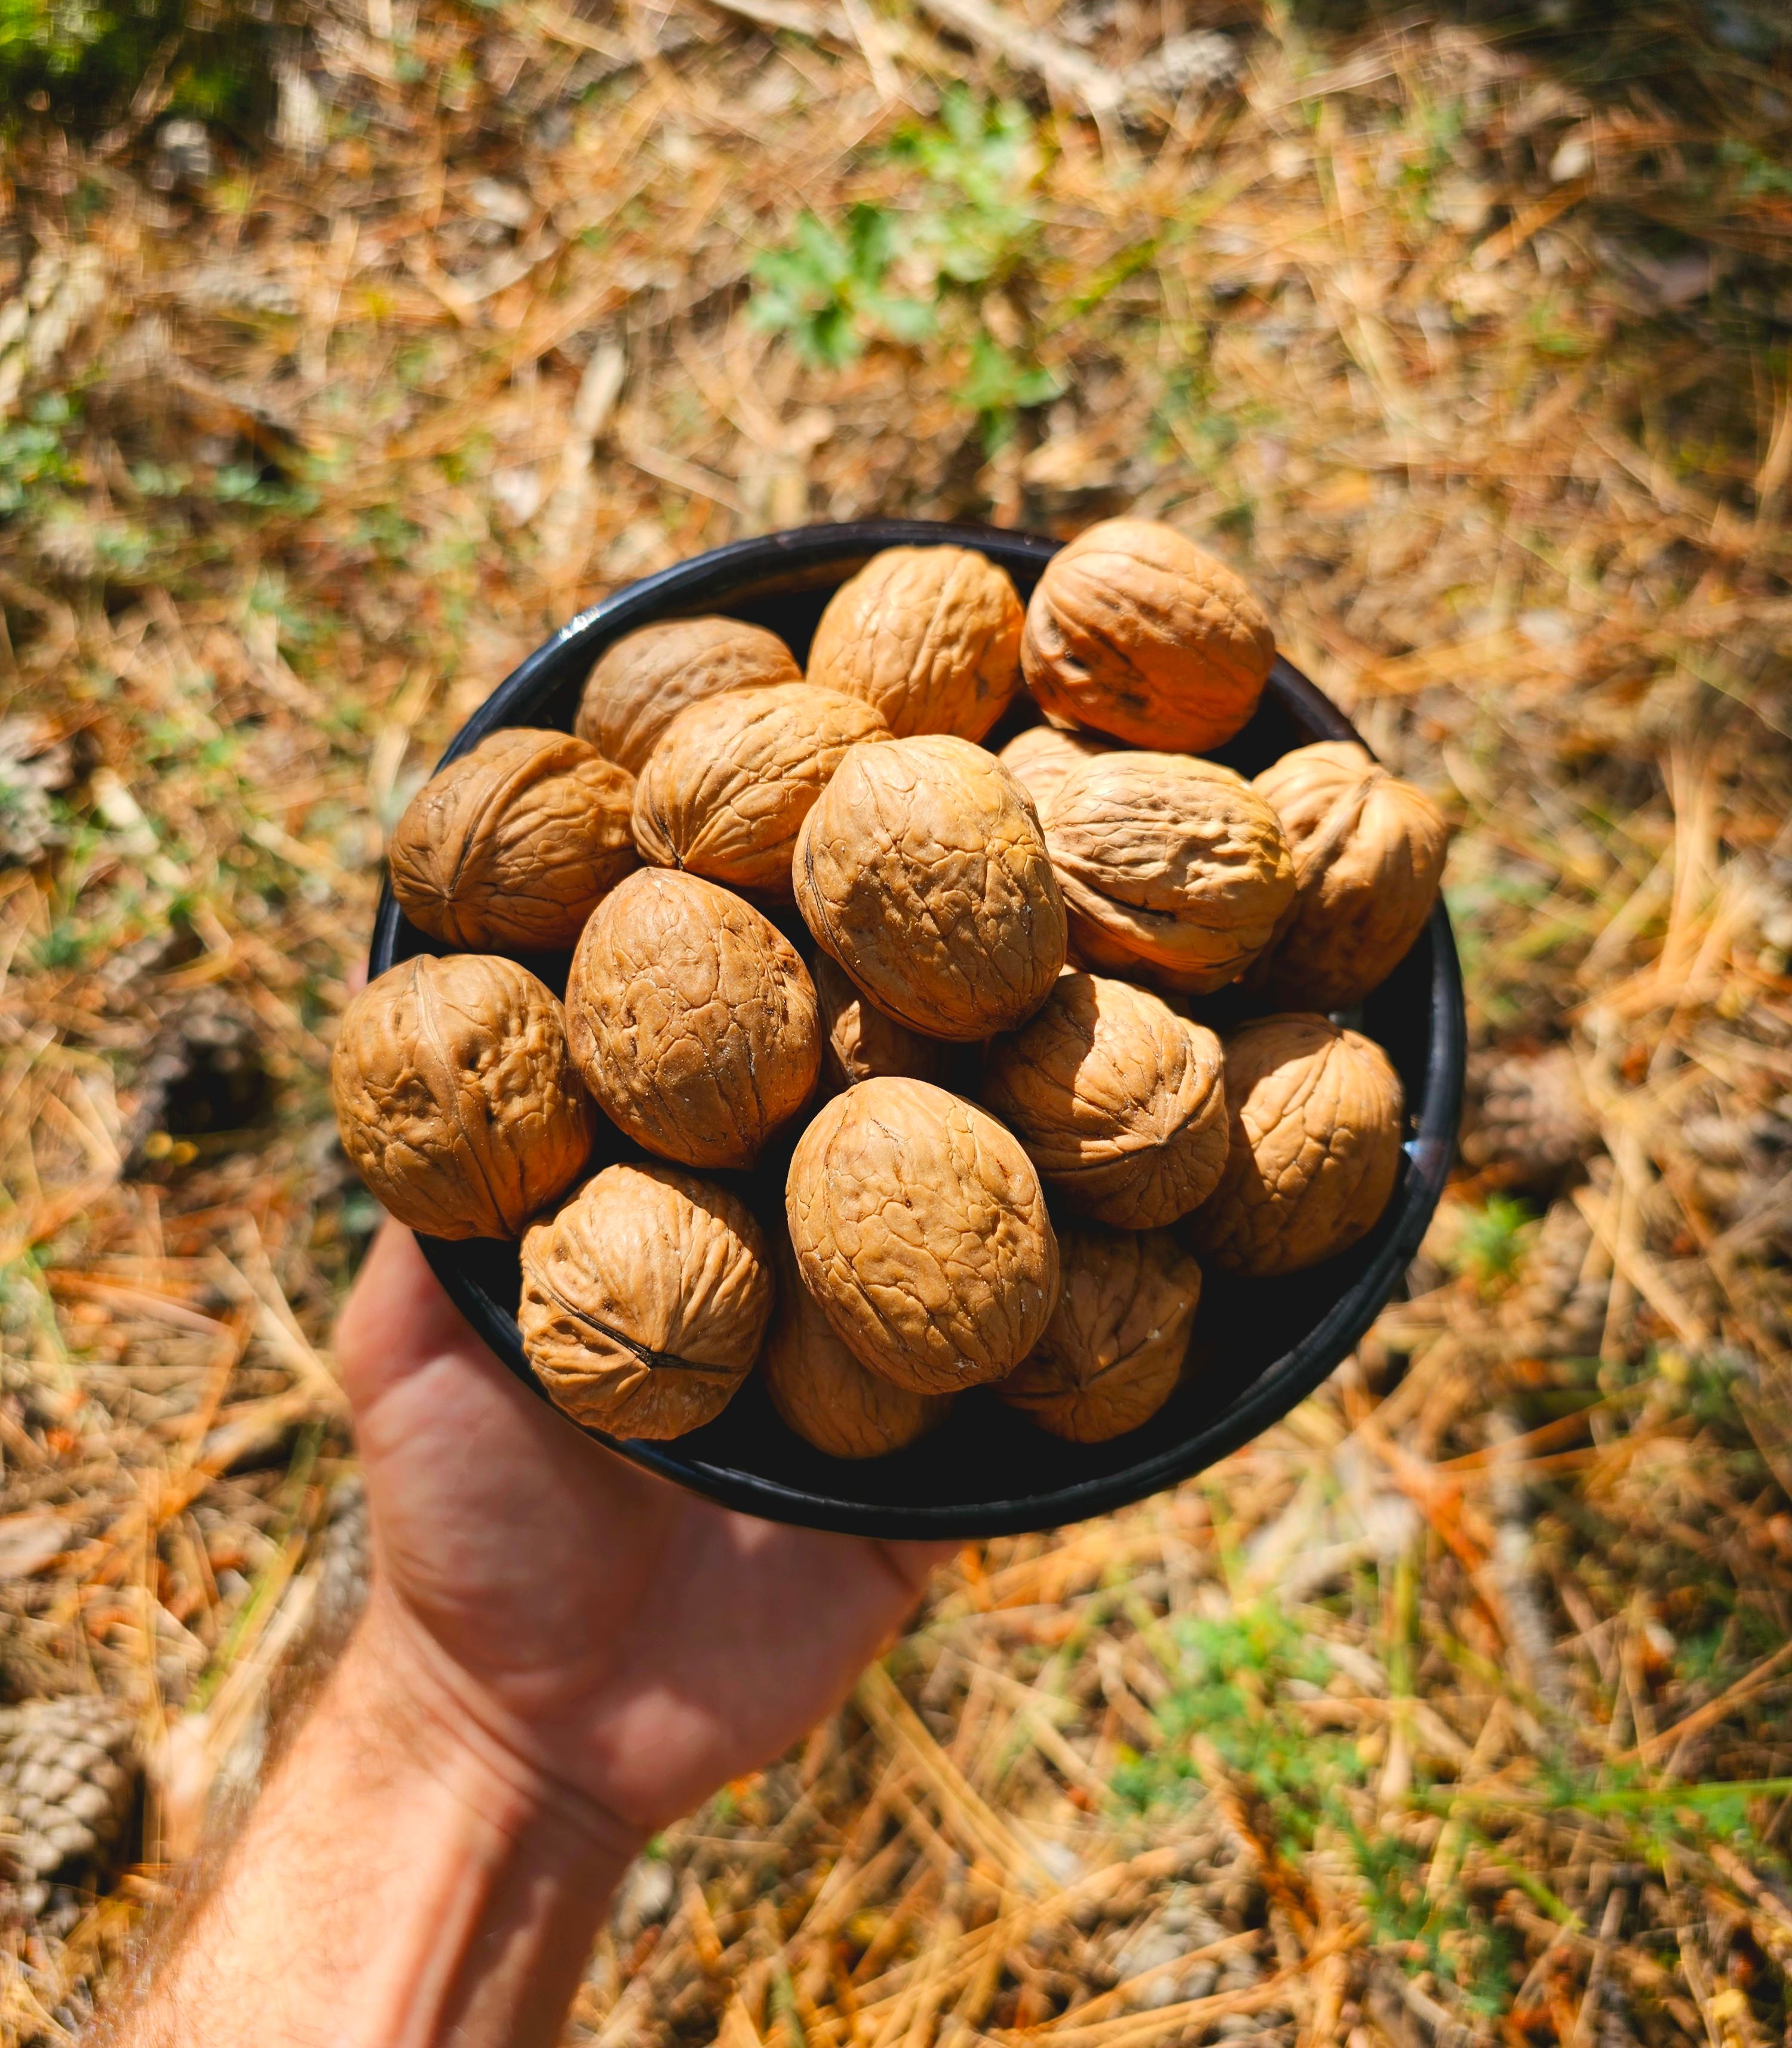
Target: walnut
<point>825,1394</point>
<point>1317,1116</point>
<point>457,1100</point>
<point>725,791</point>
<point>919,1227</point>
<point>1136,631</point>
<point>691,1019</point>
<point>1113,1351</point>
<point>931,636</point>
<point>1120,1102</point>
<point>1040,757</point>
<point>645,1299</point>
<point>922,871</point>
<point>1368,862</point>
<point>859,1042</point>
<point>641,683</point>
<point>1168,864</point>
<point>515,844</point>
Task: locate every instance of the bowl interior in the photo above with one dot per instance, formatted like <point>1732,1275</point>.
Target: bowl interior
<point>1259,1347</point>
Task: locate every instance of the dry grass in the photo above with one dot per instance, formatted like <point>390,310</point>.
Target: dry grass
<point>1456,1705</point>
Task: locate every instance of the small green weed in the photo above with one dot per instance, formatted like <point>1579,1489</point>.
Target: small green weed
<point>35,463</point>
<point>1490,1241</point>
<point>247,484</point>
<point>82,59</point>
<point>386,533</point>
<point>65,945</point>
<point>829,289</point>
<point>1239,1689</point>
<point>904,275</point>
<point>156,479</point>
<point>979,162</point>
<point>1550,332</point>
<point>1229,1692</point>
<point>1711,1393</point>
<point>1757,177</point>
<point>1000,385</point>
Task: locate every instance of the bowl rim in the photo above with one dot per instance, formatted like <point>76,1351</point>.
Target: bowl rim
<point>800,558</point>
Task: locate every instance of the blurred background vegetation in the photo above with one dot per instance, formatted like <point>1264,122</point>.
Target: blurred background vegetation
<point>84,67</point>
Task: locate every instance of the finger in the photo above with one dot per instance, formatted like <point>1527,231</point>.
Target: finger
<point>409,1358</point>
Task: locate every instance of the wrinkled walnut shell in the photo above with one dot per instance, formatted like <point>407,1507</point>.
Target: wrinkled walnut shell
<point>641,684</point>
<point>920,1226</point>
<point>922,871</point>
<point>859,1043</point>
<point>930,636</point>
<point>1120,1103</point>
<point>1168,864</point>
<point>513,844</point>
<point>1136,631</point>
<point>645,1299</point>
<point>457,1100</point>
<point>691,1019</point>
<point>726,790</point>
<point>1113,1351</point>
<point>1040,759</point>
<point>823,1392</point>
<point>1317,1116</point>
<point>1368,862</point>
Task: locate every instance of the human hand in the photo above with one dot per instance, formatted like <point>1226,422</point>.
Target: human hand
<point>625,1638</point>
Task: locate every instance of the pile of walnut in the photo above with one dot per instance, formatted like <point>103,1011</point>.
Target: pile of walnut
<point>815,909</point>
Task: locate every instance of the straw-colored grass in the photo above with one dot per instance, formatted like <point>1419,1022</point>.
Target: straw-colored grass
<point>1453,1708</point>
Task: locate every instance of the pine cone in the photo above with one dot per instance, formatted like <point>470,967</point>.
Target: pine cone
<point>1552,1313</point>
<point>67,1781</point>
<point>1531,1121</point>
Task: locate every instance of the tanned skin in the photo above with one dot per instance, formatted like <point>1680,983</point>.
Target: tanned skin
<point>560,1654</point>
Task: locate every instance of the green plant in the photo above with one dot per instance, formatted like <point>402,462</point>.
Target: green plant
<point>1549,331</point>
<point>1489,1241</point>
<point>1238,1690</point>
<point>1759,176</point>
<point>1000,385</point>
<point>968,227</point>
<point>80,61</point>
<point>156,479</point>
<point>978,163</point>
<point>1229,1692</point>
<point>34,459</point>
<point>827,289</point>
<point>246,483</point>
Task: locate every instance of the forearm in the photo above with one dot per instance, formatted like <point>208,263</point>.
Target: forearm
<point>405,1880</point>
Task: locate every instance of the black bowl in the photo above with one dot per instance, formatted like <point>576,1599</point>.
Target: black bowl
<point>1259,1347</point>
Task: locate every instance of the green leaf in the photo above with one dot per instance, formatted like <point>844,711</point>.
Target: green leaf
<point>908,319</point>
<point>999,382</point>
<point>825,289</point>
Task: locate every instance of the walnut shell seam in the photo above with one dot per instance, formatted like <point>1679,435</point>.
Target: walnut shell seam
<point>1339,822</point>
<point>722,1375</point>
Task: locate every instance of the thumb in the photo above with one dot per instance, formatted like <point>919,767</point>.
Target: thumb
<point>416,1373</point>
<point>397,1319</point>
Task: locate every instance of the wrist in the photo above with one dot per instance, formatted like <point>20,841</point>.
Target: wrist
<point>409,1867</point>
<point>414,1700</point>
<point>506,1868</point>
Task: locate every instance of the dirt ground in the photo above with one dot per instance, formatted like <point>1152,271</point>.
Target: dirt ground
<point>1452,1710</point>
